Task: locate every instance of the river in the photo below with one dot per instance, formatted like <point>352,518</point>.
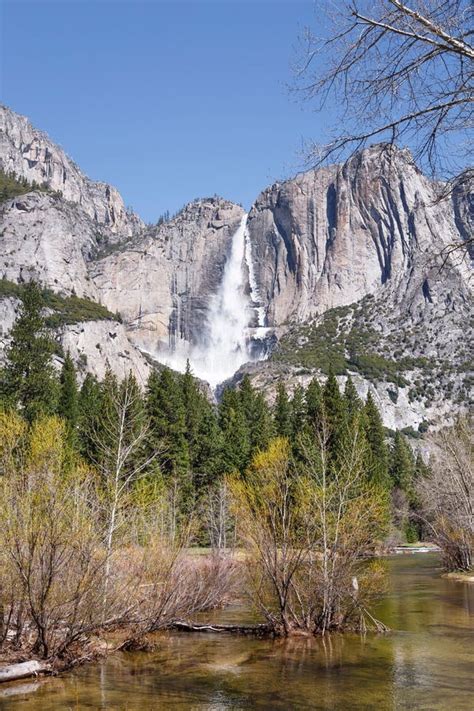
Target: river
<point>425,662</point>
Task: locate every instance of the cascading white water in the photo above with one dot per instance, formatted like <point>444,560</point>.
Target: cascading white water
<point>226,345</point>
<point>226,349</point>
<point>254,292</point>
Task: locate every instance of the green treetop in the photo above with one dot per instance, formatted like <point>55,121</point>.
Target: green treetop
<point>402,464</point>
<point>89,412</point>
<point>28,380</point>
<point>201,432</point>
<point>257,415</point>
<point>314,407</point>
<point>167,417</point>
<point>282,412</point>
<point>353,402</point>
<point>235,432</point>
<point>377,453</point>
<point>68,404</point>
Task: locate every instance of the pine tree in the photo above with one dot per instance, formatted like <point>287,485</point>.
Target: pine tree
<point>353,403</point>
<point>89,412</point>
<point>167,417</point>
<point>333,403</point>
<point>257,415</point>
<point>377,453</point>
<point>298,411</point>
<point>68,404</point>
<point>235,432</point>
<point>334,416</point>
<point>130,392</point>
<point>282,413</point>
<point>192,407</point>
<point>314,406</point>
<point>207,453</point>
<point>402,464</point>
<point>28,380</point>
<point>201,432</point>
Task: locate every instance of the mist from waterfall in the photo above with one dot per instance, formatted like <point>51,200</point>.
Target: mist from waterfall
<point>225,346</point>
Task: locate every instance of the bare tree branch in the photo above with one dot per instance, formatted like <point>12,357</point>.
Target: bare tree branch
<point>404,73</point>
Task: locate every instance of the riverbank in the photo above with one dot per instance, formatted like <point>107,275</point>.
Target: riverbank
<point>423,663</point>
<point>15,666</point>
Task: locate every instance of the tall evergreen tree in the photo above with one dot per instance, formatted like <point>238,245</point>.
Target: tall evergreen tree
<point>377,453</point>
<point>257,415</point>
<point>201,432</point>
<point>192,407</point>
<point>167,417</point>
<point>235,432</point>
<point>89,412</point>
<point>207,451</point>
<point>68,404</point>
<point>402,464</point>
<point>334,415</point>
<point>314,406</point>
<point>298,412</point>
<point>129,392</point>
<point>353,403</point>
<point>28,380</point>
<point>333,403</point>
<point>282,412</point>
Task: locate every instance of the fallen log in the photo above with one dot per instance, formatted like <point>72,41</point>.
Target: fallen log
<point>183,626</point>
<point>23,670</point>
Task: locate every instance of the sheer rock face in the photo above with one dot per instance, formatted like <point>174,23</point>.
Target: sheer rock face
<point>329,237</point>
<point>47,239</point>
<point>98,345</point>
<point>162,283</point>
<point>30,154</point>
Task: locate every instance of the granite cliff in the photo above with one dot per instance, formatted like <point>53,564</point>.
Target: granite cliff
<point>342,267</point>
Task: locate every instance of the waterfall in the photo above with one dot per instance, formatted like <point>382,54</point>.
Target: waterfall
<point>226,349</point>
<point>225,345</point>
<point>254,292</point>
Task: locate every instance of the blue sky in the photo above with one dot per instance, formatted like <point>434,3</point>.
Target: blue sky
<point>167,100</point>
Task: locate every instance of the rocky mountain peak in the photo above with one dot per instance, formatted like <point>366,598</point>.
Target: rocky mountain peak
<point>30,154</point>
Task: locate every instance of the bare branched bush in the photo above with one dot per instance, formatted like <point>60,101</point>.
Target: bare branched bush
<point>51,560</point>
<point>305,537</point>
<point>83,551</point>
<point>170,583</point>
<point>218,516</point>
<point>447,495</point>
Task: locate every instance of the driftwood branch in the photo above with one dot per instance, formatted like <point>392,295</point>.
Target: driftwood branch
<point>12,672</point>
<point>259,629</point>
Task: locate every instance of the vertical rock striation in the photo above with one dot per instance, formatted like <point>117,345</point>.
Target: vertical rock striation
<point>331,236</point>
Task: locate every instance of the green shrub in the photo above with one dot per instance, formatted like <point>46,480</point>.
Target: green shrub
<point>11,186</point>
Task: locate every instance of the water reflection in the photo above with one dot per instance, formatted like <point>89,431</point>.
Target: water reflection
<point>425,663</point>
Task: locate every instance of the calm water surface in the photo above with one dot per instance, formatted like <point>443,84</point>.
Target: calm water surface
<point>426,662</point>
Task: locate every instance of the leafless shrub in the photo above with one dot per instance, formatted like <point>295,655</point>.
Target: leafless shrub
<point>447,495</point>
<point>218,516</point>
<point>50,549</point>
<point>305,536</point>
